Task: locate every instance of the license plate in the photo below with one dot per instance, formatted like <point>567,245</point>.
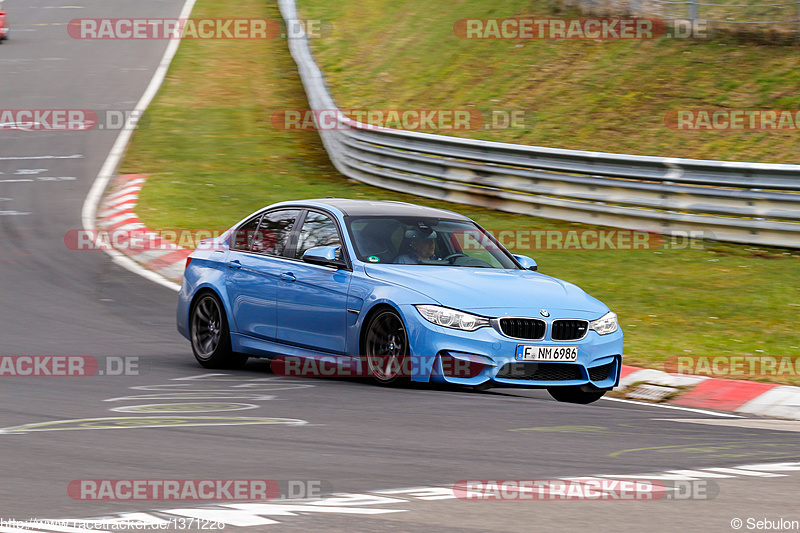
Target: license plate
<point>546,353</point>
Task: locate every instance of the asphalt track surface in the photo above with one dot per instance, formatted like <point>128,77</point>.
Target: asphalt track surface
<point>355,438</point>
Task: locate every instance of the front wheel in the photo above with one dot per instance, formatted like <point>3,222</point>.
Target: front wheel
<point>386,348</point>
<point>210,336</point>
<point>575,395</point>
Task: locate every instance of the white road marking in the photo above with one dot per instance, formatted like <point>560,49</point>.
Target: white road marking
<point>178,408</point>
<point>29,171</point>
<point>254,514</point>
<point>39,178</point>
<point>228,517</point>
<point>774,467</point>
<point>740,472</point>
<point>220,387</point>
<point>38,157</point>
<point>13,126</point>
<point>424,493</point>
<point>675,407</point>
<point>186,396</point>
<point>749,423</point>
<point>202,376</point>
<point>245,389</point>
<point>229,378</point>
<point>150,422</point>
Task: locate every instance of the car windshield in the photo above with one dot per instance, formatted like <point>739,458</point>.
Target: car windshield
<point>425,241</point>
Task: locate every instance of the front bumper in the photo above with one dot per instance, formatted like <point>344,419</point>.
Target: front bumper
<point>447,355</point>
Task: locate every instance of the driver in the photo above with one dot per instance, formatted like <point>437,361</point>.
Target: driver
<point>421,249</point>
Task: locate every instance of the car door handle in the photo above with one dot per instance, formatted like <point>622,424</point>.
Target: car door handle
<point>288,276</point>
<point>235,264</point>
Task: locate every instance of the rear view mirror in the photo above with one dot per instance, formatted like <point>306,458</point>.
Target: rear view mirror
<point>526,262</point>
<point>324,255</point>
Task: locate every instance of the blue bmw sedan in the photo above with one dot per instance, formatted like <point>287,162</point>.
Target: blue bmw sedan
<point>409,292</point>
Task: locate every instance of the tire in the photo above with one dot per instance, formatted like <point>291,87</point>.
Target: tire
<point>210,335</point>
<point>575,395</point>
<point>386,348</point>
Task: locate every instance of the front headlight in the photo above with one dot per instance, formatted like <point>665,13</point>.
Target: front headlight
<point>450,318</point>
<point>605,324</point>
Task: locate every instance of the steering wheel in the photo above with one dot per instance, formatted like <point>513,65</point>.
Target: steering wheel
<point>453,256</point>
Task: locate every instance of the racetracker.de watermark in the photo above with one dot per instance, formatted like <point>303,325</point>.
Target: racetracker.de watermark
<point>69,120</point>
<point>362,366</point>
<point>529,28</point>
<point>583,239</point>
<point>71,366</point>
<point>145,239</point>
<point>583,489</point>
<point>733,119</point>
<point>401,119</point>
<point>196,489</point>
<point>734,366</point>
<point>467,240</point>
<point>210,28</point>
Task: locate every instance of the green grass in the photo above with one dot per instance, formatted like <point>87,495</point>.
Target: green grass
<point>609,96</point>
<point>213,157</point>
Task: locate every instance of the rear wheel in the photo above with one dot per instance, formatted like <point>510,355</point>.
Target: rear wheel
<point>575,394</point>
<point>386,348</point>
<point>210,336</point>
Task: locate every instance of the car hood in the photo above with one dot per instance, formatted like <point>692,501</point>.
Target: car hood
<point>493,292</point>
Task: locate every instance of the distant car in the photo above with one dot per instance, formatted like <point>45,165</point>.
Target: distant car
<point>3,23</point>
<point>339,278</point>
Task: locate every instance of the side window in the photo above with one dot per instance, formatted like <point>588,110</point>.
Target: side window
<point>318,230</point>
<point>273,233</point>
<point>240,240</point>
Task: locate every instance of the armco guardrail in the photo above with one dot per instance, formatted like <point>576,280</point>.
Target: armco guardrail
<point>739,202</point>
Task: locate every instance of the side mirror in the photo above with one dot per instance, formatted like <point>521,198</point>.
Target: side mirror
<point>324,255</point>
<point>526,262</point>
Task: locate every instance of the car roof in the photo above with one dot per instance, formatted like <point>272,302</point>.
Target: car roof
<point>350,207</point>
